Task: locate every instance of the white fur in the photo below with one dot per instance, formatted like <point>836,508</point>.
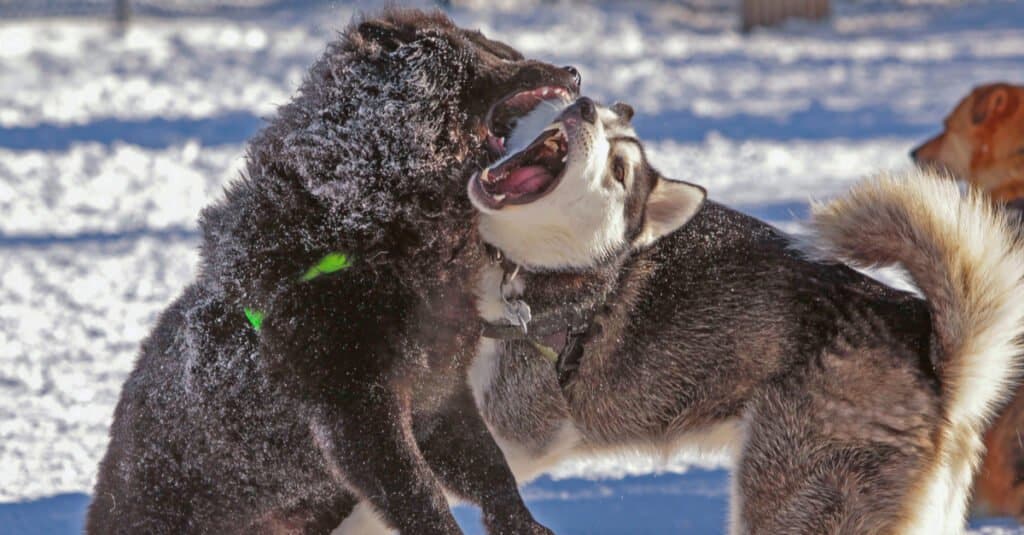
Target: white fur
<point>482,370</point>
<point>736,524</point>
<point>722,437</point>
<point>527,465</point>
<point>670,205</point>
<point>968,262</point>
<point>489,303</point>
<point>363,520</point>
<point>524,463</point>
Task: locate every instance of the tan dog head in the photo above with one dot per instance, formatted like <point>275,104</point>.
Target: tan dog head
<point>983,141</point>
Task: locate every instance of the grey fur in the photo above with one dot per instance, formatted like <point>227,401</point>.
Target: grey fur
<point>853,401</point>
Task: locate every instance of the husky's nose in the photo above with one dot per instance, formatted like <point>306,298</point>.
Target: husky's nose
<point>588,112</point>
<point>577,78</point>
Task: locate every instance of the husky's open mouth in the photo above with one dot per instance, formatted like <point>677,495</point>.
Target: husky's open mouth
<point>502,117</point>
<point>526,175</point>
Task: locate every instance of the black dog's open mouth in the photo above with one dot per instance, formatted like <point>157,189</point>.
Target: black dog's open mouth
<point>501,118</point>
<point>527,175</point>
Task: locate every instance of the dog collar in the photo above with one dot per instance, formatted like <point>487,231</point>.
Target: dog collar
<point>521,324</point>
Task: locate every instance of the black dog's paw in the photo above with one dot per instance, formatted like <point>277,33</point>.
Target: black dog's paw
<point>532,528</point>
<point>538,529</point>
<point>515,524</point>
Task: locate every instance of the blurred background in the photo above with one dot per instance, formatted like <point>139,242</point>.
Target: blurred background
<point>120,120</point>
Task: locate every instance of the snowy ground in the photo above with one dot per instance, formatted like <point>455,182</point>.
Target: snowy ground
<point>111,143</point>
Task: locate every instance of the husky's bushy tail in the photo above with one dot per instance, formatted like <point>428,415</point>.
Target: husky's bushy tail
<point>965,256</point>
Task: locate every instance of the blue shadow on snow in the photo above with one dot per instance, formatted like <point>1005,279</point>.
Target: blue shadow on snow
<point>56,515</point>
<point>816,122</point>
<point>228,128</point>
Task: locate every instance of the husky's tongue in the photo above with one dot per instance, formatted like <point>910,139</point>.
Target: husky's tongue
<point>533,167</point>
<point>526,175</point>
<point>526,179</point>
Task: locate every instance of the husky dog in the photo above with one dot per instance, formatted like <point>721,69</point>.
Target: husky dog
<point>329,324</point>
<point>851,407</point>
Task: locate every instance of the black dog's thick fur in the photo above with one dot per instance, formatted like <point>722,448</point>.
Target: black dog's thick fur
<point>224,428</point>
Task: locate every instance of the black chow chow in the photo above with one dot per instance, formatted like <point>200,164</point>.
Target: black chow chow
<point>329,327</point>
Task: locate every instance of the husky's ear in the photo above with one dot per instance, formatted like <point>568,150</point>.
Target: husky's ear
<point>670,205</point>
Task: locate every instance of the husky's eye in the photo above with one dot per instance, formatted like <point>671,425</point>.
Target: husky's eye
<point>619,170</point>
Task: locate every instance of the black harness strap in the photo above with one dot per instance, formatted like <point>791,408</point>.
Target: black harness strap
<point>572,320</point>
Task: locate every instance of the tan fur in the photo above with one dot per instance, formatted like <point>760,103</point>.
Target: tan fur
<point>965,256</point>
<point>997,491</point>
<point>990,155</point>
<point>983,141</point>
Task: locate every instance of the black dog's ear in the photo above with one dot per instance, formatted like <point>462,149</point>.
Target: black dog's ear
<point>387,35</point>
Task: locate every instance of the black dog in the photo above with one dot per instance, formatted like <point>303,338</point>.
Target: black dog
<point>330,325</point>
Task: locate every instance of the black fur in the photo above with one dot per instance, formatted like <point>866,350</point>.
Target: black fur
<point>222,428</point>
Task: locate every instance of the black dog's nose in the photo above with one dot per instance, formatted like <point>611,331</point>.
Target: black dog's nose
<point>577,78</point>
<point>587,110</point>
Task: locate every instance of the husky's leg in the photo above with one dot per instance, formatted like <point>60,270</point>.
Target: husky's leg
<point>469,463</point>
<point>827,453</point>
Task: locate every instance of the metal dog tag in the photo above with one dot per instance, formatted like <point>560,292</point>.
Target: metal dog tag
<point>517,313</point>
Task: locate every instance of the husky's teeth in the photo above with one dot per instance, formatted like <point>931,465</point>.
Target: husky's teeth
<point>499,197</point>
<point>564,158</point>
<point>484,175</point>
<point>551,144</point>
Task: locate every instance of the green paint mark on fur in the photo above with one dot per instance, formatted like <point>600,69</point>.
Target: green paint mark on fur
<point>255,318</point>
<point>545,351</point>
<point>328,264</point>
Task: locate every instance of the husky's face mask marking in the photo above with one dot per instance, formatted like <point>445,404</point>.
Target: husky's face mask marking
<point>579,192</point>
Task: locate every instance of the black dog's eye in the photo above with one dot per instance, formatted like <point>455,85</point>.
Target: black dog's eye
<point>619,170</point>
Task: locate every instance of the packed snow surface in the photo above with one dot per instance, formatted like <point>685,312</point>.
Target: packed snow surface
<point>112,141</point>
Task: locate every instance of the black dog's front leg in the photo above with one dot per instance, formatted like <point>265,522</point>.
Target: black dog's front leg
<point>379,460</point>
<point>463,454</point>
